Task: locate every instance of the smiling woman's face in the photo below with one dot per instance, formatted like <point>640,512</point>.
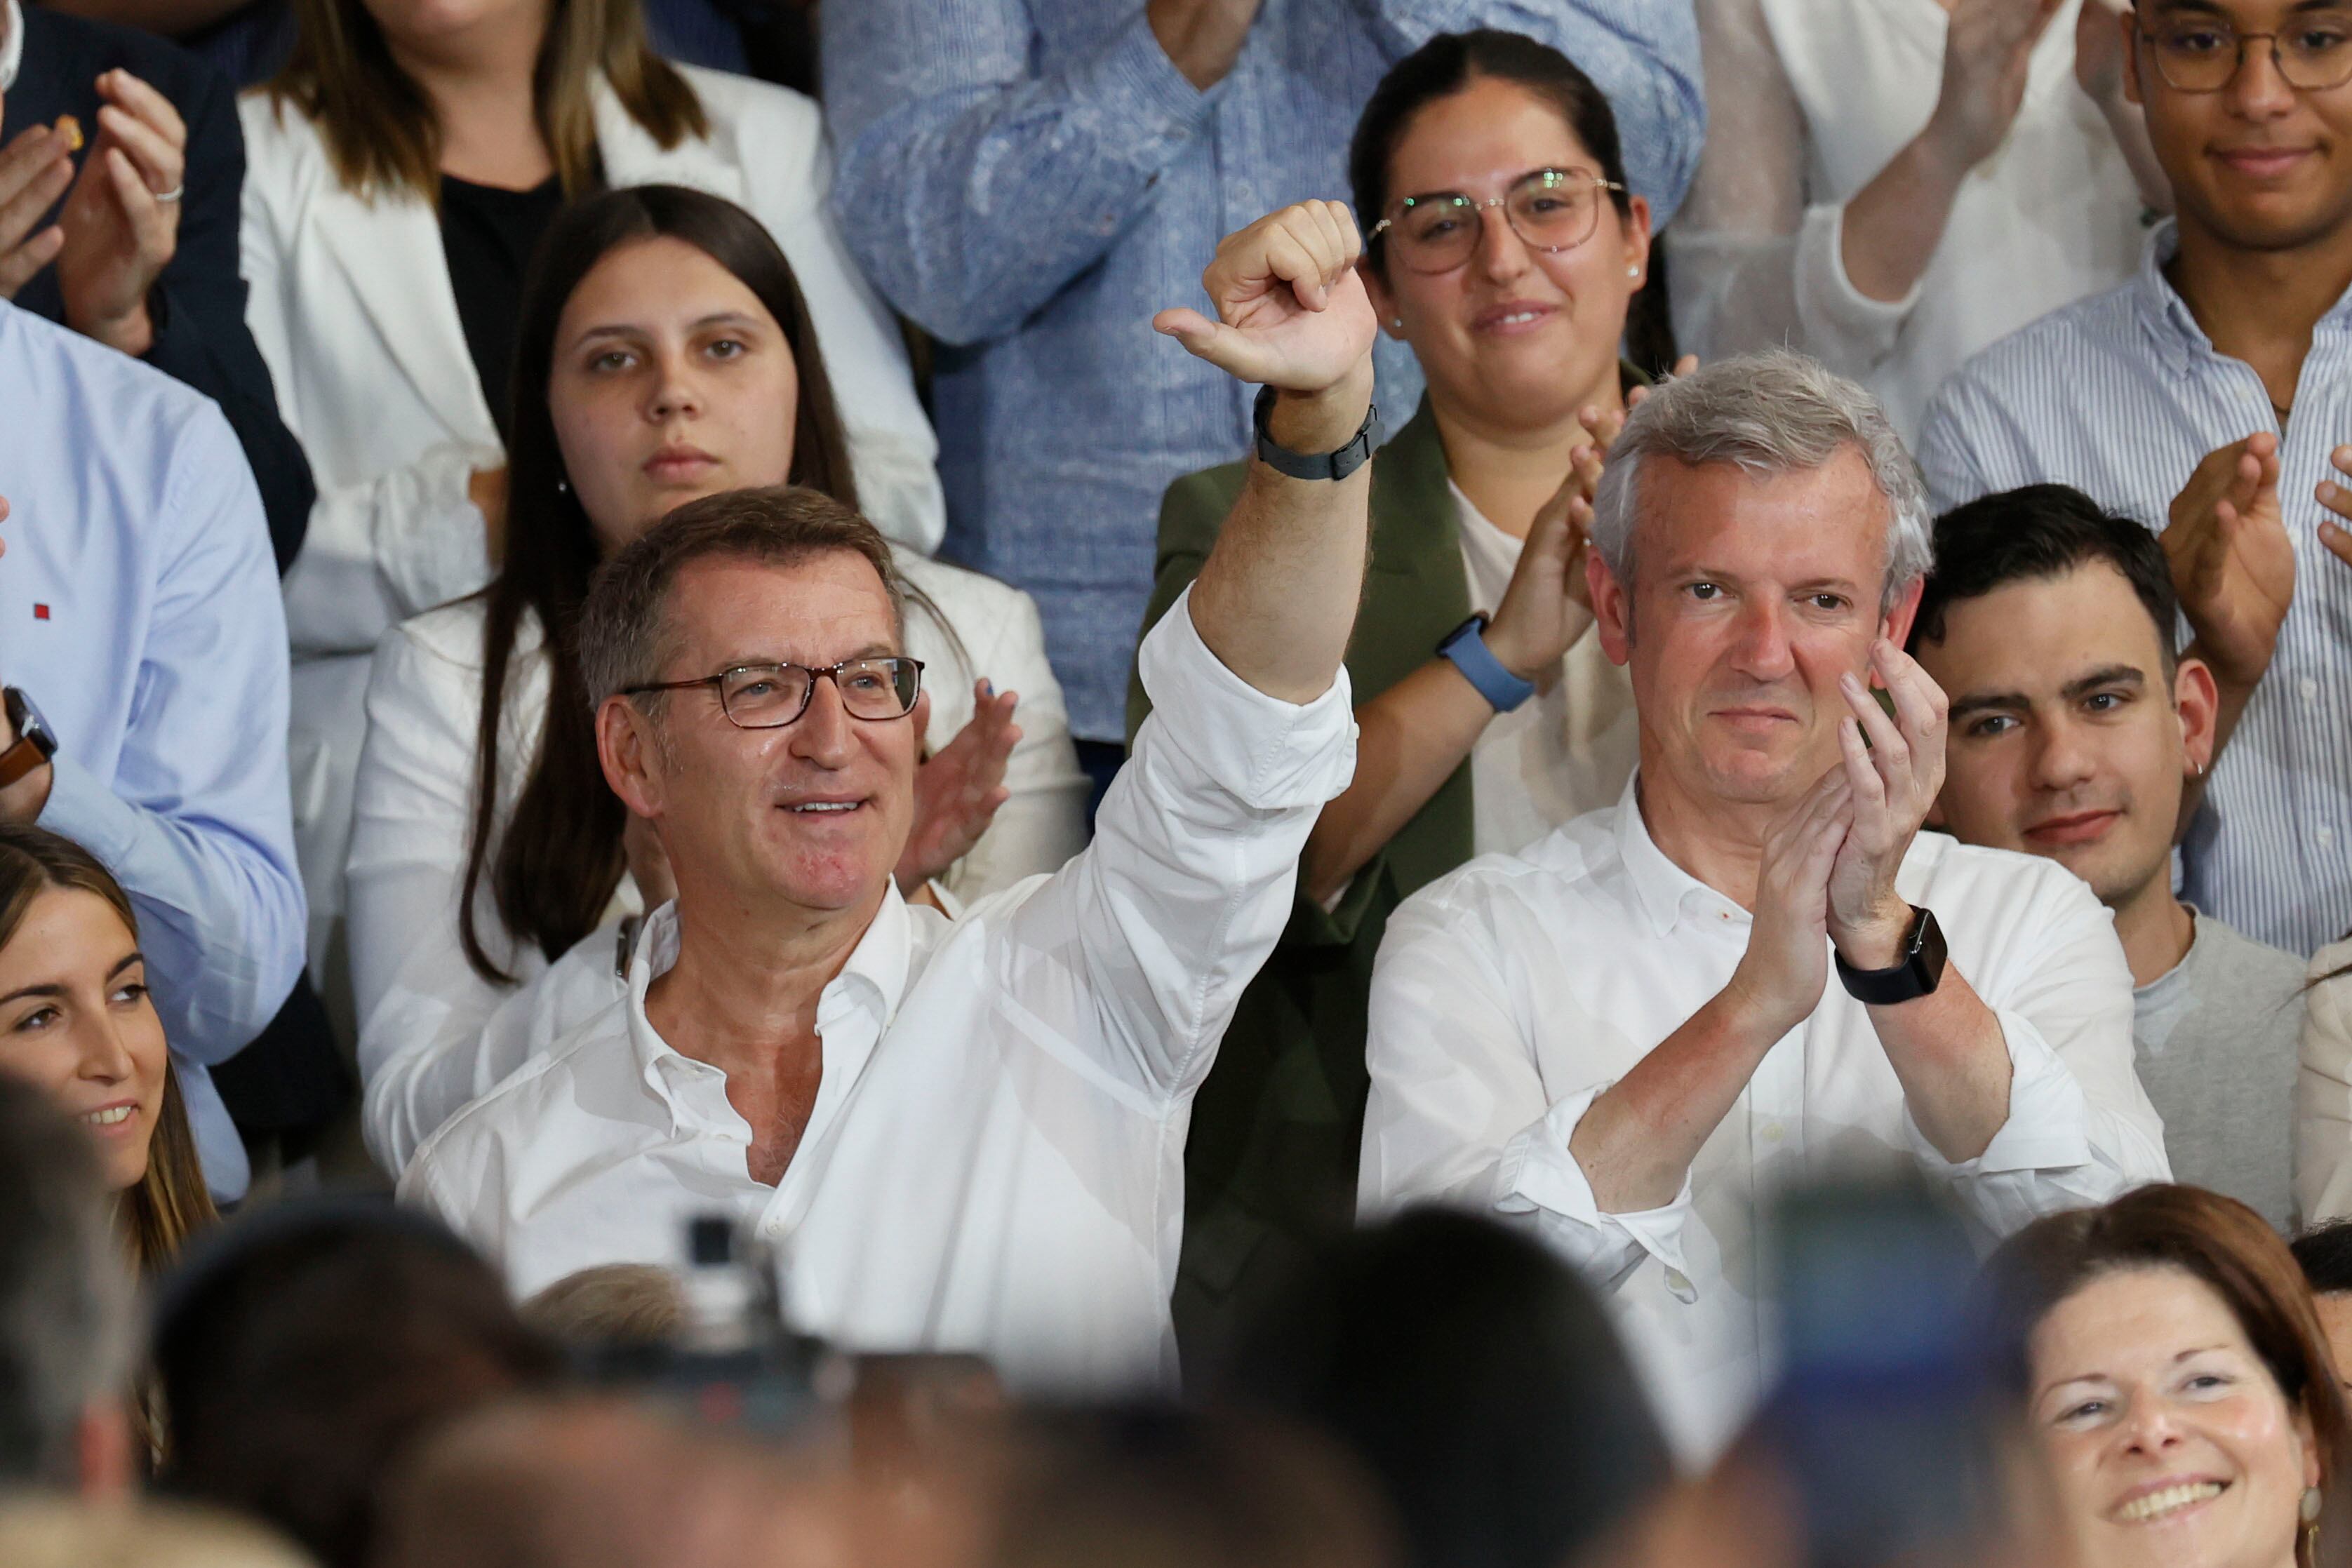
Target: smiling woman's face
<point>1515,338</point>
<point>76,1021</point>
<point>671,381</point>
<point>2170,1441</point>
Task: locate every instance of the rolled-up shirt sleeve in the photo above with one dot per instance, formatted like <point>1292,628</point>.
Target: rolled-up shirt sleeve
<point>2081,1130</point>
<point>1149,935</point>
<point>1458,1112</point>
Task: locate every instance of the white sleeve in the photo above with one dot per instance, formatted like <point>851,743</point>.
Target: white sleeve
<point>2079,1130</point>
<point>372,553</point>
<point>893,450</point>
<point>1756,263</point>
<point>420,1002</point>
<point>2323,1093</point>
<point>388,548</point>
<point>1459,1113</point>
<point>1042,821</point>
<point>1139,949</point>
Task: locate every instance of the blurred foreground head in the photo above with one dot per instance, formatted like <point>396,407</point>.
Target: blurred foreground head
<point>66,1331</point>
<point>309,1348</point>
<point>2172,1372</point>
<point>61,1532</point>
<point>1474,1374</point>
<point>603,1483</point>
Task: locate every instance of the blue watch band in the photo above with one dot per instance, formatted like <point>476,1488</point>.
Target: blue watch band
<point>1466,646</point>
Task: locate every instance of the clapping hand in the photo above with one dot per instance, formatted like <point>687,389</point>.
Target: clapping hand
<point>2232,564</point>
<point>1987,45</point>
<point>959,788</point>
<point>1786,966</point>
<point>1893,780</point>
<point>35,167</point>
<point>121,223</point>
<point>2337,498</point>
<point>1291,311</point>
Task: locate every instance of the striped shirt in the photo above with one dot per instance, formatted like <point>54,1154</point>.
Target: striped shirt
<point>2121,395</point>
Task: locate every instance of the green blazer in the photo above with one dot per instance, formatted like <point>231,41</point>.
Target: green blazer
<point>1272,1154</point>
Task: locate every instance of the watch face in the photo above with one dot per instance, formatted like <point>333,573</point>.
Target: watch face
<point>28,721</point>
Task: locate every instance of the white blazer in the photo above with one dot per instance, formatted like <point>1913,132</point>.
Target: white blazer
<point>433,1033</point>
<point>352,305</point>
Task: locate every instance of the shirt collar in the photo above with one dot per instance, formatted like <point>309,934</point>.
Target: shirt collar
<point>874,980</point>
<point>12,45</point>
<point>2169,321</point>
<point>1661,888</point>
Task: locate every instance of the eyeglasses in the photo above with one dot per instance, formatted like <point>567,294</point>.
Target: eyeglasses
<point>2198,54</point>
<point>1550,209</point>
<point>770,696</point>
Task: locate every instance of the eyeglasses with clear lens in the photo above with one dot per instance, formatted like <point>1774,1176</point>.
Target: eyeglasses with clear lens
<point>769,696</point>
<point>1550,210</point>
<point>2198,53</point>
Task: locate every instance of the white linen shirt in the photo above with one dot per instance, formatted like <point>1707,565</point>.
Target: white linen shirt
<point>1511,994</point>
<point>994,1163</point>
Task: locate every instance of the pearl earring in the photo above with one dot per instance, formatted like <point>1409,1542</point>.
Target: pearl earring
<point>1633,272</point>
<point>564,487</point>
<point>1397,322</point>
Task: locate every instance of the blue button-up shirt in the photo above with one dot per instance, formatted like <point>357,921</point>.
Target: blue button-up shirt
<point>138,611</point>
<point>2122,395</point>
<point>1030,180</point>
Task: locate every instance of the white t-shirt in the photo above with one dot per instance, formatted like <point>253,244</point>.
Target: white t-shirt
<point>1562,752</point>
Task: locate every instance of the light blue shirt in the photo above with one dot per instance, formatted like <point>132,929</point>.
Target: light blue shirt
<point>139,609</point>
<point>1030,180</point>
<point>2122,395</point>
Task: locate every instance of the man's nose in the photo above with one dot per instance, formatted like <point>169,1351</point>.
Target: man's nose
<point>822,734</point>
<point>1763,651</point>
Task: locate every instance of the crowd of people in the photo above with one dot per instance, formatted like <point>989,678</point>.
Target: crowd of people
<point>727,835</point>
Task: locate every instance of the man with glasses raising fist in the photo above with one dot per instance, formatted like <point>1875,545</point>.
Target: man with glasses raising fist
<point>969,1135</point>
<point>2211,397</point>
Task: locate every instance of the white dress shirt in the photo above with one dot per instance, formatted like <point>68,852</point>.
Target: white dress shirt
<point>1807,101</point>
<point>994,1163</point>
<point>1511,994</point>
<point>423,1007</point>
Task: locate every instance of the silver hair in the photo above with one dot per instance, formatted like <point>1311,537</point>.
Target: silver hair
<point>1776,412</point>
<point>65,1304</point>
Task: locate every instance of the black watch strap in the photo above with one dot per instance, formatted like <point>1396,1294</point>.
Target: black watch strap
<point>1313,464</point>
<point>1915,975</point>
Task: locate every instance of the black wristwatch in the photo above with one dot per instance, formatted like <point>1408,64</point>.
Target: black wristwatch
<point>1313,464</point>
<point>34,742</point>
<point>1915,975</point>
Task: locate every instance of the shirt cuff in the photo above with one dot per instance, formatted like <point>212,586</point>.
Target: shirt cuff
<point>1537,1172</point>
<point>84,810</point>
<point>1835,311</point>
<point>2049,1116</point>
<point>1271,755</point>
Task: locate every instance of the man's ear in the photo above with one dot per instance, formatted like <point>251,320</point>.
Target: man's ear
<point>1896,624</point>
<point>631,755</point>
<point>1612,608</point>
<point>2197,700</point>
<point>105,1467</point>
